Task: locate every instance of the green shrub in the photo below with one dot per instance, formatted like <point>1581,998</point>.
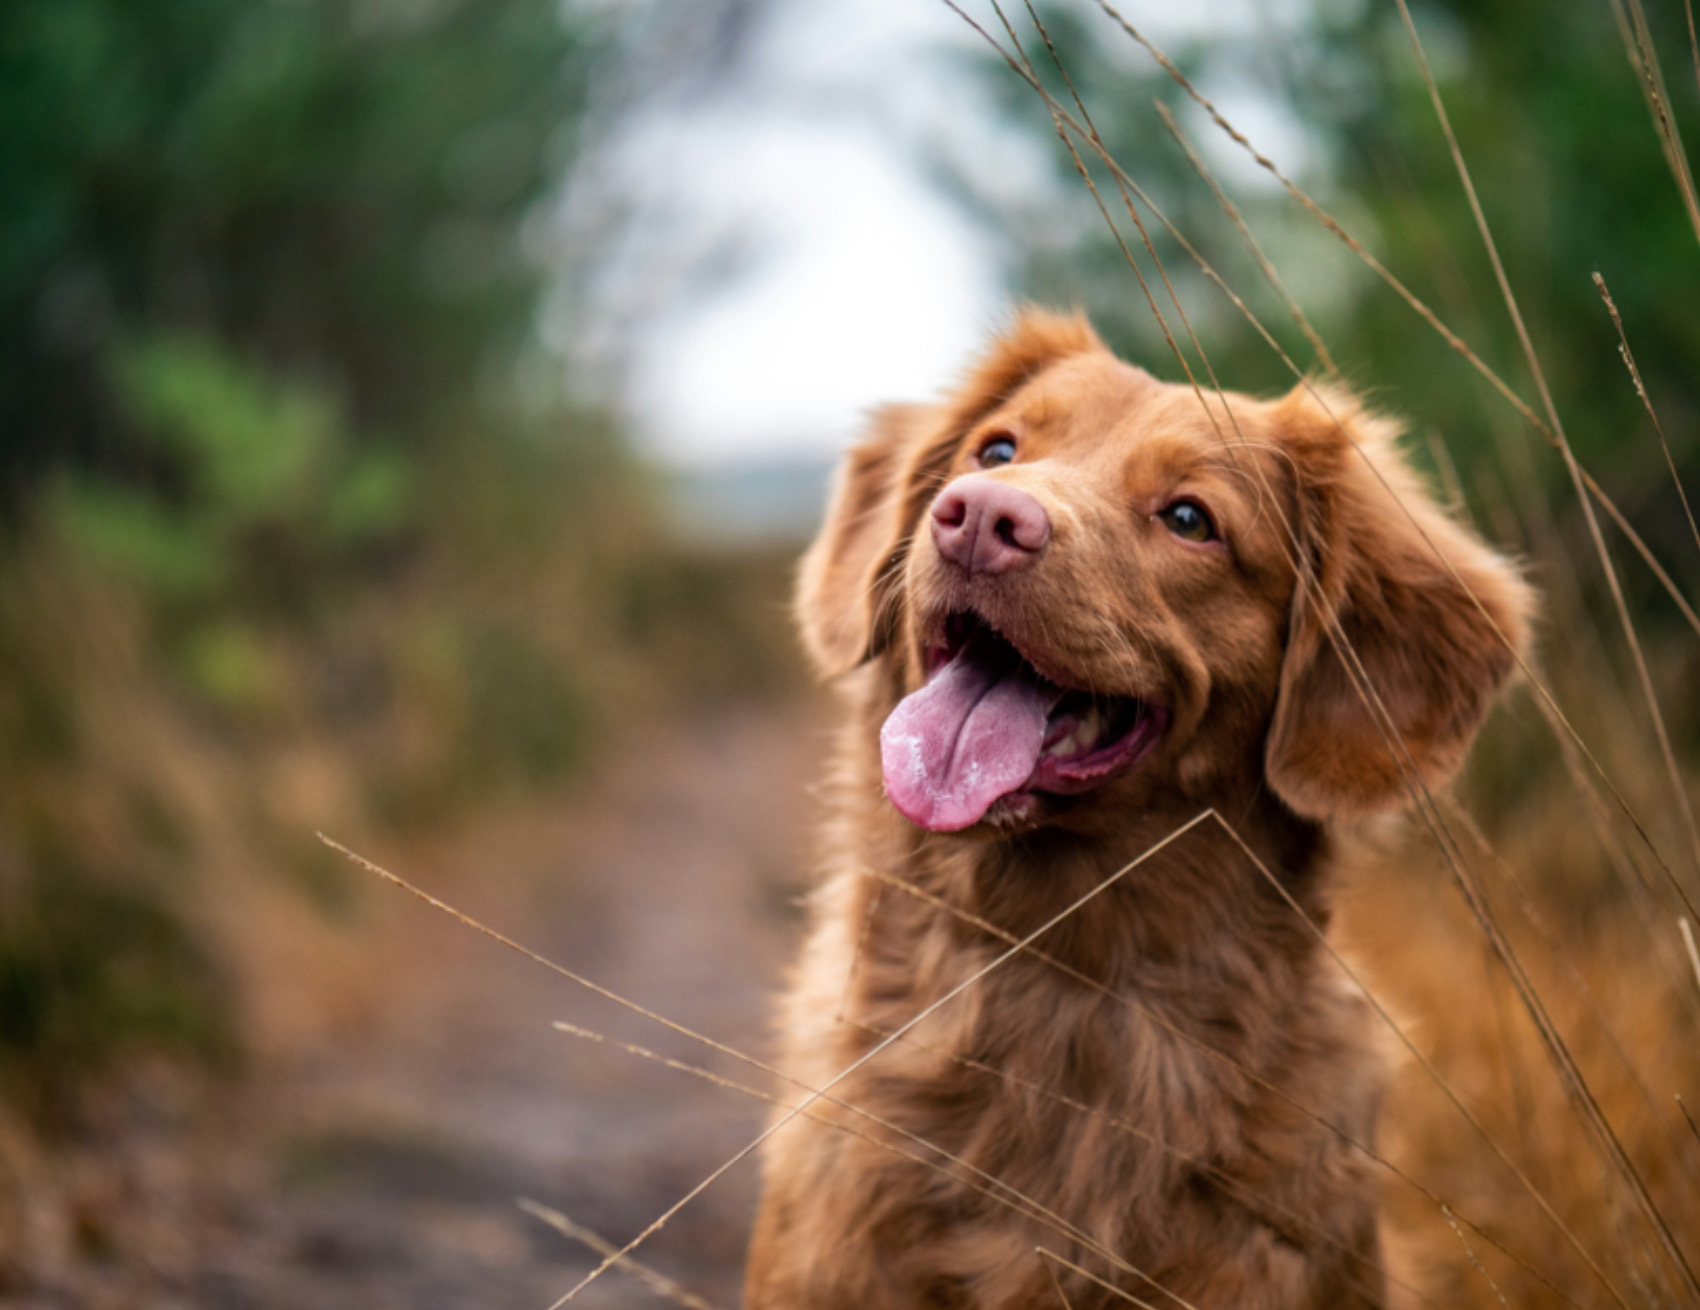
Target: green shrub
<point>91,972</point>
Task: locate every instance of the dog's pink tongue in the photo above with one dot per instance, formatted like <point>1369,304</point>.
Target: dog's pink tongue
<point>971,735</point>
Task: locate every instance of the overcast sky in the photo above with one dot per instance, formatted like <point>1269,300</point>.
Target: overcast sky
<point>846,275</point>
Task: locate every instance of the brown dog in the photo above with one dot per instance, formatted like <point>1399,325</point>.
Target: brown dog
<point>1072,609</point>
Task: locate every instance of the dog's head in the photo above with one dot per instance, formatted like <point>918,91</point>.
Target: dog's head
<point>1087,587</point>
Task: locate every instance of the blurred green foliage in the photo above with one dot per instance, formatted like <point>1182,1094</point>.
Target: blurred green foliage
<point>263,293</point>
<point>259,262</point>
<point>266,505</point>
<point>249,455</point>
<point>1567,161</point>
<point>331,189</point>
<point>91,972</point>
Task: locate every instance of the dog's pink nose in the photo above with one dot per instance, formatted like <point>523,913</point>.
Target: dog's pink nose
<point>987,526</point>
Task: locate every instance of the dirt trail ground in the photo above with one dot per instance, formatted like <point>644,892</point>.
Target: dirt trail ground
<point>393,1150</point>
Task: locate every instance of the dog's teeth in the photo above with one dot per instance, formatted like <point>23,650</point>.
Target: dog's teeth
<point>1082,736</point>
<point>1064,745</point>
<point>1091,726</point>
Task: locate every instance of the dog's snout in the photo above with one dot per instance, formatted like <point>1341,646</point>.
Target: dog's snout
<point>987,526</point>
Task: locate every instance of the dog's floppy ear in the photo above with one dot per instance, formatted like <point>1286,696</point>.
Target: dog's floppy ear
<point>839,581</point>
<point>1428,614</point>
<point>847,585</point>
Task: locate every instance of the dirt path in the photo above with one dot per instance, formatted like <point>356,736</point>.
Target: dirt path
<point>398,1147</point>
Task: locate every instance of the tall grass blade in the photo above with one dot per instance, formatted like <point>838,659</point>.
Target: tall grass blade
<point>655,1280</point>
<point>1641,390</point>
<point>1238,220</point>
<point>1688,941</point>
<point>1638,41</point>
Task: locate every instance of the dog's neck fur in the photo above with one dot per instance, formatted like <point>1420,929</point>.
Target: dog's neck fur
<point>1192,929</point>
<point>1175,1022</point>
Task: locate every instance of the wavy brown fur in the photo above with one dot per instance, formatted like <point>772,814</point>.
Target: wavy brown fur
<point>1165,1085</point>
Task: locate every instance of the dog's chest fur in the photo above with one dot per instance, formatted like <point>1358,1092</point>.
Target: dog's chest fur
<point>1132,1081</point>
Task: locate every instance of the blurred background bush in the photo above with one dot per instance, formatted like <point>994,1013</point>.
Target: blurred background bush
<point>336,490</point>
<point>287,541</point>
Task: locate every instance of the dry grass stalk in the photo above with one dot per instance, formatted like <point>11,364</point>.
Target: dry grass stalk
<point>1238,220</point>
<point>1646,400</point>
<point>655,1280</point>
<point>1638,42</point>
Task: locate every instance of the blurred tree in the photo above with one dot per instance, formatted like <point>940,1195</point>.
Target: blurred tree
<point>332,188</point>
<point>1563,150</point>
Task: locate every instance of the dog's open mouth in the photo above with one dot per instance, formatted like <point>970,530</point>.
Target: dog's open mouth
<point>988,725</point>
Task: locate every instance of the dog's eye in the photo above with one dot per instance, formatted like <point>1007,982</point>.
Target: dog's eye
<point>1188,521</point>
<point>999,450</point>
